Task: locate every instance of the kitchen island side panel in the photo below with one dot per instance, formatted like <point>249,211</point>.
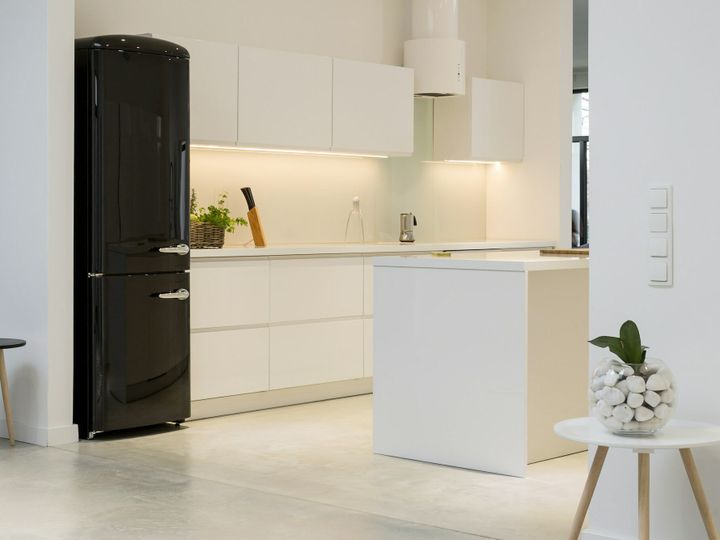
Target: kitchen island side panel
<point>450,367</point>
<point>557,358</point>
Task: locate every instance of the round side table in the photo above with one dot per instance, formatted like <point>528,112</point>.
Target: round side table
<point>679,435</point>
<point>7,344</point>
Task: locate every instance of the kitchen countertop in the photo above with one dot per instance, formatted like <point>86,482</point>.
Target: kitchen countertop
<point>511,261</point>
<point>279,250</point>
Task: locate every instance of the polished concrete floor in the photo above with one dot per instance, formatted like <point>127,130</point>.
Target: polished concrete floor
<point>303,472</point>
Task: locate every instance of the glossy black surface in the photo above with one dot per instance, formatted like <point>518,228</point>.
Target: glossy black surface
<point>141,350</point>
<point>131,199</point>
<point>132,160</point>
<point>132,43</point>
<point>10,343</point>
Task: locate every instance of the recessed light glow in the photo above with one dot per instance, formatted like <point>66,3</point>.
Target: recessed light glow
<point>285,151</point>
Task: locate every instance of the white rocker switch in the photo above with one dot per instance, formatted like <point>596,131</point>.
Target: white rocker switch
<point>658,271</point>
<point>658,247</point>
<point>658,198</point>
<point>658,222</point>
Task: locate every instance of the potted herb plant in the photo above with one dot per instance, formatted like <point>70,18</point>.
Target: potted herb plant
<point>630,394</point>
<point>208,226</point>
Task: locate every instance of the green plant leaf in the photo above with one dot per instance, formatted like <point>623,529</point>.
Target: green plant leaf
<point>630,338</point>
<point>613,343</point>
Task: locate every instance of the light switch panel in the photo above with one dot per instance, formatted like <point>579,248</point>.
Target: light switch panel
<point>658,198</point>
<point>658,222</point>
<point>660,235</point>
<point>658,247</point>
<point>658,271</point>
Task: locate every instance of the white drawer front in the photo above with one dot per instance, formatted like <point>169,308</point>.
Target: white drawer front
<point>228,293</point>
<point>306,289</point>
<point>228,362</point>
<point>313,353</point>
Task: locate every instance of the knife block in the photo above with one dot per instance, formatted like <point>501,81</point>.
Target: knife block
<point>256,228</point>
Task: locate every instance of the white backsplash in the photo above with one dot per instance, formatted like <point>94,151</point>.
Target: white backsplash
<point>307,198</point>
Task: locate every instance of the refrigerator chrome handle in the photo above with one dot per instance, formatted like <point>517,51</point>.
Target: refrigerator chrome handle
<point>180,249</point>
<point>180,294</point>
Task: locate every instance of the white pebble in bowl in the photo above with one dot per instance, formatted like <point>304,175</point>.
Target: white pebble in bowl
<point>652,398</point>
<point>643,414</point>
<point>611,377</point>
<point>636,384</point>
<point>623,387</point>
<point>662,410</point>
<point>657,382</point>
<point>603,408</point>
<point>623,413</point>
<point>612,396</point>
<point>635,400</point>
<point>668,396</point>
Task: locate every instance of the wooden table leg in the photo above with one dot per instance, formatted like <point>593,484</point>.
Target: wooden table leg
<point>643,496</point>
<point>587,494</point>
<point>6,399</point>
<point>699,492</point>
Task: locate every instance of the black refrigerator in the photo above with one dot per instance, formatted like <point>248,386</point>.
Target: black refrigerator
<point>132,260</point>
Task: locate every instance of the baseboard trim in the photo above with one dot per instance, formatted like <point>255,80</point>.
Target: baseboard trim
<point>41,436</point>
<point>207,408</point>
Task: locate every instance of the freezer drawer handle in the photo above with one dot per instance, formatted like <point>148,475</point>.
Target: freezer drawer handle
<point>180,294</point>
<point>180,249</point>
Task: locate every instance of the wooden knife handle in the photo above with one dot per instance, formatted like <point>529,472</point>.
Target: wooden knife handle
<point>256,228</point>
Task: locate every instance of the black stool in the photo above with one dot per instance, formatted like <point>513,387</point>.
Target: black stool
<point>7,344</point>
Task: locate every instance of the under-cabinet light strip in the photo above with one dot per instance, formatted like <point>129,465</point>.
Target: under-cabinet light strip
<point>471,162</point>
<point>285,151</point>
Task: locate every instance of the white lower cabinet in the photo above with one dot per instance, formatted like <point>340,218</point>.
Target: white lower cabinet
<point>229,293</point>
<point>229,362</point>
<point>316,288</point>
<point>313,353</point>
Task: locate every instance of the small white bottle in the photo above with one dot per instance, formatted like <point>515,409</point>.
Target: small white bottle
<point>355,227</point>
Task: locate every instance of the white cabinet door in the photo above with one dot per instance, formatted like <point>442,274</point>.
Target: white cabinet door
<point>284,99</point>
<point>228,293</point>
<point>228,362</point>
<point>498,120</point>
<point>313,353</point>
<point>315,288</point>
<point>213,90</point>
<point>487,124</point>
<point>372,108</point>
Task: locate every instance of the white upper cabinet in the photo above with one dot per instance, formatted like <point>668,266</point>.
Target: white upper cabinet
<point>372,108</point>
<point>284,99</point>
<point>487,124</point>
<point>213,90</point>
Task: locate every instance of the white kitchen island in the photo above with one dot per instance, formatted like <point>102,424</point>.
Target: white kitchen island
<point>477,355</point>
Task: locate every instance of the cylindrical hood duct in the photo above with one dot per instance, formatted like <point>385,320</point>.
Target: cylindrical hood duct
<point>435,52</point>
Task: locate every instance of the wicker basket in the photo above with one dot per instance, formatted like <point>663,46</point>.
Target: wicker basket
<point>206,235</point>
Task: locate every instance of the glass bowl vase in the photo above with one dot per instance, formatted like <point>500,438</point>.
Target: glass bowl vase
<point>632,399</point>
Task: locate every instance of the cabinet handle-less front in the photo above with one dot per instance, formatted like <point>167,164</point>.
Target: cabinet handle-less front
<point>180,249</point>
<point>180,294</point>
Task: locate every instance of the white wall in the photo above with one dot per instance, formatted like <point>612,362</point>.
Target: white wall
<point>303,198</point>
<point>654,120</point>
<point>371,30</point>
<point>531,42</point>
<point>36,148</point>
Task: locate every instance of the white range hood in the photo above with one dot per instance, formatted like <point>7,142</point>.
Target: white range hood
<point>435,52</point>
